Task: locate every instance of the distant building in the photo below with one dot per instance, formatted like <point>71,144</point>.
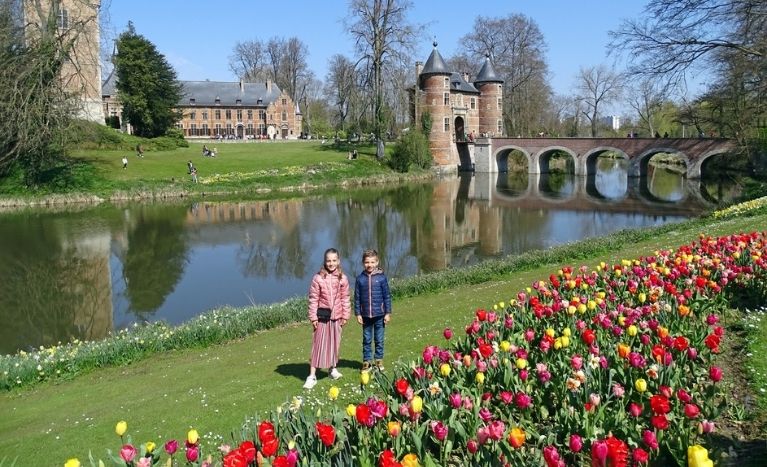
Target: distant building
<point>461,111</point>
<point>612,121</point>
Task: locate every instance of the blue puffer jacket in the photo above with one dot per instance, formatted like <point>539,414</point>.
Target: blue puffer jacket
<point>371,294</point>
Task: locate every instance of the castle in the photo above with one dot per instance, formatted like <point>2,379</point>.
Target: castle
<point>460,111</point>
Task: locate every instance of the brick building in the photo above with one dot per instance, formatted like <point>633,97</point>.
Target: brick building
<point>460,110</point>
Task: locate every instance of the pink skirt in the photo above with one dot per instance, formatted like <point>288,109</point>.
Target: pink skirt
<point>326,342</point>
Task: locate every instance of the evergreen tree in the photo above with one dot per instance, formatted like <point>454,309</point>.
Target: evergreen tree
<point>146,85</point>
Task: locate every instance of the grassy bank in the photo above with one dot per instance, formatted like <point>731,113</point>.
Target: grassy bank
<point>239,168</point>
<point>215,388</point>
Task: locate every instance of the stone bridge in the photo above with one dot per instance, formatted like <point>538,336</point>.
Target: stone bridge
<point>491,154</point>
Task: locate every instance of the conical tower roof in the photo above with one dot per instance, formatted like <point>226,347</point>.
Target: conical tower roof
<point>487,73</point>
<point>435,65</point>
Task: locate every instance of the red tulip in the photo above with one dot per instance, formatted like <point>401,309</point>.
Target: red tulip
<point>265,432</point>
<point>326,433</point>
<point>691,410</point>
<point>715,373</point>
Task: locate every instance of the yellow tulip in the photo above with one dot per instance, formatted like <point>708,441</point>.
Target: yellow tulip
<point>394,427</point>
<point>697,456</point>
<point>558,343</point>
<point>410,460</point>
<point>192,437</point>
<point>333,392</point>
<point>364,377</point>
<point>417,404</point>
<point>121,427</point>
<point>291,445</point>
<point>632,330</point>
<point>72,463</point>
<point>640,385</point>
<point>150,446</point>
<point>622,320</point>
<point>351,410</point>
<point>444,370</point>
<point>550,332</point>
<point>642,297</point>
<point>571,310</point>
<point>565,341</point>
<point>618,273</point>
<point>502,305</point>
<point>566,332</point>
<point>521,363</point>
<point>480,378</point>
<point>591,304</point>
<point>581,308</point>
<point>505,346</point>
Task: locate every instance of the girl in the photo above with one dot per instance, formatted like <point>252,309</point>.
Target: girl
<point>329,310</point>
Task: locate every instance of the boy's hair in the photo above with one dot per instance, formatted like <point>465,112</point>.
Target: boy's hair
<point>369,253</point>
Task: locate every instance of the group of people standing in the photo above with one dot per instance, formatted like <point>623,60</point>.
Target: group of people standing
<point>330,309</point>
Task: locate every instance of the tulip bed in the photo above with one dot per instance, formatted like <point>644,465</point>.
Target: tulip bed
<point>606,367</point>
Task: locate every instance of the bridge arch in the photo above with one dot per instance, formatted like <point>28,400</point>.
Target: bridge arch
<point>638,165</point>
<point>541,160</point>
<point>502,158</point>
<point>589,159</point>
<point>694,168</point>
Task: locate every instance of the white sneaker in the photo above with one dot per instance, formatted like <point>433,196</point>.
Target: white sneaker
<point>311,381</point>
<point>335,374</point>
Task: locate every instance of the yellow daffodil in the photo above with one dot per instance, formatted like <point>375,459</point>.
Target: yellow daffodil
<point>121,427</point>
<point>192,437</point>
<point>72,463</point>
<point>333,392</point>
<point>444,370</point>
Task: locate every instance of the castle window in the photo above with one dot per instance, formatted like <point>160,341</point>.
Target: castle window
<point>204,130</point>
<point>500,126</point>
<point>218,100</point>
<point>238,102</point>
<point>192,115</point>
<point>228,113</point>
<point>447,98</point>
<point>218,114</point>
<point>447,82</point>
<point>500,104</point>
<point>239,115</point>
<point>473,103</point>
<point>284,102</point>
<point>204,114</point>
<point>63,19</point>
<point>284,116</point>
<point>250,115</point>
<point>447,125</point>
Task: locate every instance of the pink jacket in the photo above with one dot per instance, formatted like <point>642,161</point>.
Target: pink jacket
<point>329,291</point>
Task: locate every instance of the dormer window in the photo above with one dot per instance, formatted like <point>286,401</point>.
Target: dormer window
<point>238,102</point>
<point>218,100</point>
<point>259,102</point>
<point>191,101</point>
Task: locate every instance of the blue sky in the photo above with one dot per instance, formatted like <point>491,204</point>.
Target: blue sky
<point>197,36</point>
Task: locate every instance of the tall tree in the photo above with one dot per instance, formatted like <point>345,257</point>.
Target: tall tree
<point>518,49</point>
<point>146,85</point>
<point>249,61</point>
<point>340,87</point>
<point>382,36</point>
<point>37,100</point>
<point>598,86</point>
<point>646,98</point>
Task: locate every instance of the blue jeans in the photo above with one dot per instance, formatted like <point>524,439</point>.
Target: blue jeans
<point>372,329</point>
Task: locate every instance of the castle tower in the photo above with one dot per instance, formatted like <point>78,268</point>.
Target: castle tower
<point>490,87</point>
<point>434,82</point>
<point>78,22</point>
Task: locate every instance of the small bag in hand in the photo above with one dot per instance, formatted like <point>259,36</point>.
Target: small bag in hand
<point>323,315</point>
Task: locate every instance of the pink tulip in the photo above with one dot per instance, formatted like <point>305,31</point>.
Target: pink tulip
<point>522,400</point>
<point>618,390</point>
<point>127,452</point>
<point>707,426</point>
<point>649,439</point>
<point>692,353</point>
<point>635,409</point>
<point>683,396</point>
<point>171,447</point>
<point>712,320</point>
<point>192,453</point>
<point>485,414</point>
<point>599,452</point>
<point>472,446</point>
<point>691,410</point>
<point>448,333</point>
<point>523,375</point>
<point>551,456</point>
<point>508,322</point>
<point>455,400</point>
<point>507,397</point>
<point>292,458</point>
<point>576,443</point>
<point>576,361</point>
<point>439,430</point>
<point>715,373</point>
<point>496,430</point>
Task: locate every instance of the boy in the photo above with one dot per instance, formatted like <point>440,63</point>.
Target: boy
<point>372,306</point>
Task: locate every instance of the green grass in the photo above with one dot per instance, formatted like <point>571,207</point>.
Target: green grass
<point>755,324</point>
<point>239,168</point>
<point>215,389</point>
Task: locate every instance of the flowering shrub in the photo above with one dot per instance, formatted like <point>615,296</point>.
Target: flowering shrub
<point>604,367</point>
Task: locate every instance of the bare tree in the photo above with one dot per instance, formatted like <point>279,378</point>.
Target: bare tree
<point>598,86</point>
<point>518,49</point>
<point>382,35</point>
<point>646,98</point>
<point>249,62</point>
<point>340,86</point>
<point>675,36</point>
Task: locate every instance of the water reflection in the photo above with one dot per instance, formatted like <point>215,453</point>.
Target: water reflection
<point>85,273</point>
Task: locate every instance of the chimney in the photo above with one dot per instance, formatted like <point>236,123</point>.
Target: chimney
<point>242,87</point>
<point>268,86</point>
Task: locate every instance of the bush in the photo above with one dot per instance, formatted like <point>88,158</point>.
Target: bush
<point>412,150</point>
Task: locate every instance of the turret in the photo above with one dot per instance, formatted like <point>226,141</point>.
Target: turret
<point>490,87</point>
<point>434,81</point>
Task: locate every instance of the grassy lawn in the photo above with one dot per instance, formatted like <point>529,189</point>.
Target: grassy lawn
<point>239,167</point>
<point>216,389</point>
